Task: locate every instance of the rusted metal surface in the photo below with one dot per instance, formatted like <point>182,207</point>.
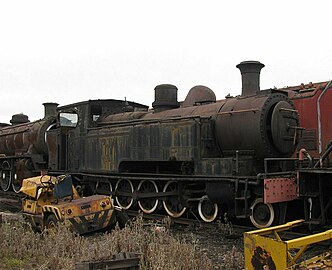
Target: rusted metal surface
<point>280,190</point>
<point>258,124</point>
<point>199,95</point>
<point>25,138</point>
<point>50,109</point>
<point>266,248</point>
<point>19,119</point>
<point>24,147</point>
<point>203,137</point>
<point>172,134</point>
<point>314,185</point>
<point>250,72</point>
<point>207,110</point>
<point>50,199</point>
<point>239,111</point>
<point>159,141</point>
<point>305,98</point>
<point>95,112</point>
<point>120,261</point>
<point>166,98</point>
<point>200,140</point>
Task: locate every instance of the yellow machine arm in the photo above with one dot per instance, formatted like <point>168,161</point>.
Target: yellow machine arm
<point>265,247</point>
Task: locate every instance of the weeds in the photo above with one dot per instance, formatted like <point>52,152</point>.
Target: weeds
<point>234,259</point>
<point>226,227</point>
<point>21,248</point>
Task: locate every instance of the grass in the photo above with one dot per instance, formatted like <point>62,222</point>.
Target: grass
<point>234,259</point>
<point>21,248</point>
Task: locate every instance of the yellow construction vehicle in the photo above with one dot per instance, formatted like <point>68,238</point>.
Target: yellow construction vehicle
<point>51,199</point>
<point>266,249</point>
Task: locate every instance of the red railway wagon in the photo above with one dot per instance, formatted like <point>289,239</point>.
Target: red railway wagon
<point>314,104</point>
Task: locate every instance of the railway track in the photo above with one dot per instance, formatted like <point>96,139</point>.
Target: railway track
<point>228,229</point>
<point>11,202</point>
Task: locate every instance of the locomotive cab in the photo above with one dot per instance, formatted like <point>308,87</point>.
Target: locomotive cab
<point>70,149</point>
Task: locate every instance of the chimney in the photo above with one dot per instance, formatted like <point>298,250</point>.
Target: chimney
<point>50,109</point>
<point>166,98</point>
<point>250,71</point>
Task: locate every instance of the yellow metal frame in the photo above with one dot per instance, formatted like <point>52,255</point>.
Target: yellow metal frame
<point>322,261</point>
<point>265,246</point>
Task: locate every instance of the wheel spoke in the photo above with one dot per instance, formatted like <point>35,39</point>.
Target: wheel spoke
<point>172,204</point>
<point>6,176</point>
<point>124,190</point>
<point>16,183</point>
<point>207,210</point>
<point>148,205</point>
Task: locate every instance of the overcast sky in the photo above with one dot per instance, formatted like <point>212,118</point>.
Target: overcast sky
<point>70,51</point>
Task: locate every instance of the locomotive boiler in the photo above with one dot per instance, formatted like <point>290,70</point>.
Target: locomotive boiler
<point>23,147</point>
<point>202,155</point>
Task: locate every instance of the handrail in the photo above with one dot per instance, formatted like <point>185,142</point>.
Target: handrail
<point>320,147</point>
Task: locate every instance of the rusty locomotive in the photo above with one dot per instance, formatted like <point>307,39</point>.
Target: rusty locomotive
<point>203,155</point>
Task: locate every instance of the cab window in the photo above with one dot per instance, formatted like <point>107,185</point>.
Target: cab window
<point>68,119</point>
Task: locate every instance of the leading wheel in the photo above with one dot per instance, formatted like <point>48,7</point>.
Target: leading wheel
<point>172,203</point>
<point>207,210</point>
<point>124,190</point>
<point>6,176</point>
<point>263,214</point>
<point>148,205</point>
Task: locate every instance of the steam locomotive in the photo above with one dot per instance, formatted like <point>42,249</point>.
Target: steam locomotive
<point>202,155</point>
